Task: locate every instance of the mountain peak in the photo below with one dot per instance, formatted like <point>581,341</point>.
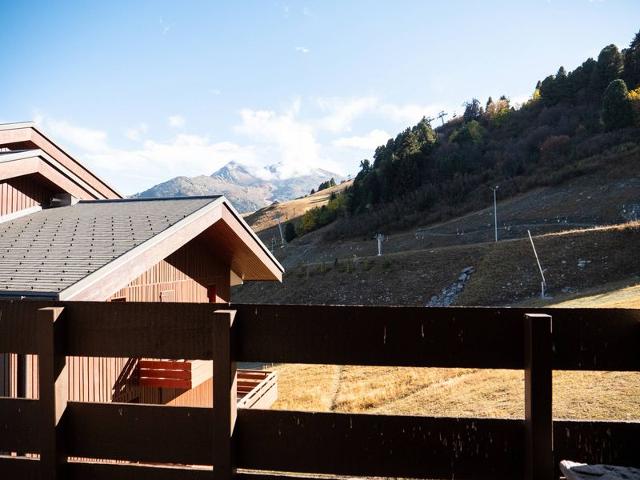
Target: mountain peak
<point>236,173</point>
<point>247,188</point>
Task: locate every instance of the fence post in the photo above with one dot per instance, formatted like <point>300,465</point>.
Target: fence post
<point>53,379</point>
<point>225,396</point>
<point>538,397</point>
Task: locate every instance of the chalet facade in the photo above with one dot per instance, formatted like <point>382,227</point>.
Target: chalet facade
<point>67,235</point>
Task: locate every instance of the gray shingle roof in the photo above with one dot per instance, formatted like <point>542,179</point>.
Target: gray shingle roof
<point>48,251</point>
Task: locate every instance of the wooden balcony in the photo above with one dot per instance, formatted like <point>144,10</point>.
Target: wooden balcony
<point>163,374</point>
<point>157,441</point>
<point>255,388</point>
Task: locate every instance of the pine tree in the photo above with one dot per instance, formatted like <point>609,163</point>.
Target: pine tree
<point>562,85</point>
<point>472,110</point>
<point>617,111</point>
<point>289,232</point>
<point>548,90</point>
<point>609,68</point>
<point>632,63</point>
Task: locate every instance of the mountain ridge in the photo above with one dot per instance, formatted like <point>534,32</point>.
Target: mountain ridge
<point>246,190</point>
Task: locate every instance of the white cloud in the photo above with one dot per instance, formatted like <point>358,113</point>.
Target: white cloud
<point>282,136</point>
<point>520,100</point>
<point>176,121</point>
<point>155,161</point>
<point>86,139</point>
<point>152,162</point>
<point>363,142</point>
<point>296,138</point>
<point>343,111</point>
<point>135,133</point>
<point>302,50</point>
<point>215,91</point>
<point>409,114</point>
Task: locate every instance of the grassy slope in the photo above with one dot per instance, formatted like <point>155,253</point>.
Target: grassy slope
<point>464,392</point>
<point>265,221</point>
<point>506,272</point>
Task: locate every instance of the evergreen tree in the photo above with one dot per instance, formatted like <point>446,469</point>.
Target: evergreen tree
<point>548,90</point>
<point>425,134</point>
<point>562,85</point>
<point>617,111</point>
<point>632,63</point>
<point>609,67</point>
<point>289,232</point>
<point>472,110</point>
<point>579,79</point>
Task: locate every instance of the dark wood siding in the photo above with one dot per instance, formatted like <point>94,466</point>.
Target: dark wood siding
<point>20,193</point>
<point>184,276</point>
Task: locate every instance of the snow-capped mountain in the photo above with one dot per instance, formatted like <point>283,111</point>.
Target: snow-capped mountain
<point>246,187</point>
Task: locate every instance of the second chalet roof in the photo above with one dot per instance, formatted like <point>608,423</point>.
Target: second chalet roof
<point>48,251</point>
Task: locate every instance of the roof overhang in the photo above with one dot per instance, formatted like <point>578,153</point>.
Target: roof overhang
<point>217,223</point>
<point>30,162</point>
<point>27,136</point>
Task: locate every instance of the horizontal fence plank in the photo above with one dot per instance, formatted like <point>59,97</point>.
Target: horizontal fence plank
<point>18,325</point>
<point>19,468</point>
<point>19,425</point>
<point>165,383</point>
<point>398,336</point>
<point>155,330</point>
<point>584,339</point>
<point>613,443</point>
<point>135,432</point>
<point>154,373</point>
<point>379,445</point>
<point>110,471</point>
<point>596,338</point>
<point>250,475</point>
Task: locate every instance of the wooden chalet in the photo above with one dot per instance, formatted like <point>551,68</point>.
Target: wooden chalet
<point>67,235</point>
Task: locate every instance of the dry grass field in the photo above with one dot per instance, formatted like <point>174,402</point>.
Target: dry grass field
<point>463,392</point>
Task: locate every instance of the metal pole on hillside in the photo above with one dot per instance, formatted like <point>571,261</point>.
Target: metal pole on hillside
<point>543,284</point>
<point>495,212</point>
<point>282,242</point>
<point>380,238</point>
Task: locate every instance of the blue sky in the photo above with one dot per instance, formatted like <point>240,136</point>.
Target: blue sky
<point>144,91</point>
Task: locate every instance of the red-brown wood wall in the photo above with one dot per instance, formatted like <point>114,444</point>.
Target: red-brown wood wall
<point>184,276</point>
<point>21,193</point>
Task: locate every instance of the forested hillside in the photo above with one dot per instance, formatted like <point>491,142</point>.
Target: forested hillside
<point>574,123</point>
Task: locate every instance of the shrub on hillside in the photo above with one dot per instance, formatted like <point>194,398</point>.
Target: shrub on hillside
<point>555,146</point>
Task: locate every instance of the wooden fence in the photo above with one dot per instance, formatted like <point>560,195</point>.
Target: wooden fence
<point>249,443</point>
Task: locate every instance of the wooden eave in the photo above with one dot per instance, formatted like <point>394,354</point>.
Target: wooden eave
<point>37,162</point>
<point>27,136</point>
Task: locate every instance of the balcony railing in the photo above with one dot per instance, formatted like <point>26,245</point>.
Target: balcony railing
<point>249,442</point>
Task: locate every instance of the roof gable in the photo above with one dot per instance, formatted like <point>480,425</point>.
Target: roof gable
<point>90,250</point>
<point>25,140</point>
